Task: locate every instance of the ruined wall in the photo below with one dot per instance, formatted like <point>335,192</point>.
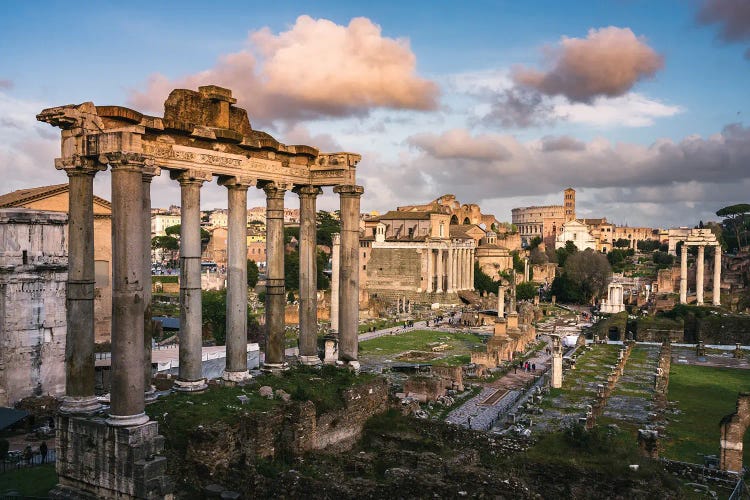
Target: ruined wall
<point>33,275</point>
<point>718,329</point>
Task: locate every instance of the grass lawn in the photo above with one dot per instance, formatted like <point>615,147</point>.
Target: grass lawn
<point>417,340</point>
<point>705,395</point>
<point>30,481</point>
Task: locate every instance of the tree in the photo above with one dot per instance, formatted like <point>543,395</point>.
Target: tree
<point>622,243</point>
<point>252,274</point>
<point>566,291</point>
<point>214,310</point>
<point>563,253</point>
<point>291,270</point>
<point>328,223</point>
<point>648,245</point>
<point>590,271</point>
<point>663,260</point>
<point>290,297</point>
<point>535,242</point>
<point>482,282</point>
<point>518,264</point>
<point>175,232</point>
<point>289,233</point>
<point>527,290</point>
<point>735,218</point>
<point>536,256</point>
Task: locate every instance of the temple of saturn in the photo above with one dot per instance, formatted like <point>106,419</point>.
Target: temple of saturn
<point>700,238</point>
<point>201,136</point>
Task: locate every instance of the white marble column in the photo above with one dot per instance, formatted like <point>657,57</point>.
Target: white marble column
<point>235,369</point>
<point>190,377</point>
<point>439,270</point>
<point>526,269</point>
<point>683,274</point>
<point>501,301</point>
<point>428,253</point>
<point>335,260</point>
<point>717,276</point>
<point>699,275</point>
<point>471,269</point>
<point>449,271</point>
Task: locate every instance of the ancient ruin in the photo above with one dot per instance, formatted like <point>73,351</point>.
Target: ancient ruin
<point>733,429</point>
<point>700,238</point>
<point>201,135</point>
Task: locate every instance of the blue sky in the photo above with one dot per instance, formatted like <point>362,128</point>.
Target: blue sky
<point>659,136</point>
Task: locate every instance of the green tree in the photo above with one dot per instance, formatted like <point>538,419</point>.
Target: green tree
<point>535,242</point>
<point>291,270</point>
<point>328,223</point>
<point>175,232</point>
<point>566,291</point>
<point>323,281</point>
<point>622,243</point>
<point>527,290</point>
<point>289,233</point>
<point>252,274</point>
<point>290,297</point>
<point>214,309</point>
<point>648,245</point>
<point>590,271</point>
<point>482,282</point>
<point>736,219</point>
<point>663,260</point>
<point>518,264</point>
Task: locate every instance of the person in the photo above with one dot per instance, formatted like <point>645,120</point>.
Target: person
<point>28,454</point>
<point>533,366</point>
<point>43,451</point>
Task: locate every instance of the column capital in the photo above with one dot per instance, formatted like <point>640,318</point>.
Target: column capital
<point>274,189</point>
<point>335,238</point>
<point>307,191</point>
<point>236,181</point>
<point>185,177</point>
<point>79,165</point>
<point>349,190</point>
<point>149,172</point>
<point>124,159</point>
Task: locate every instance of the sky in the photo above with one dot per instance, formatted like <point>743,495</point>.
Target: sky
<point>641,106</point>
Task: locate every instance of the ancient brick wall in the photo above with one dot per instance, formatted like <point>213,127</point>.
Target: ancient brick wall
<point>393,269</point>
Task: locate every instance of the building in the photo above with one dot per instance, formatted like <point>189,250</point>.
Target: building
<point>577,232</point>
<point>460,213</point>
<point>55,198</point>
<point>163,219</point>
<point>219,218</point>
<point>33,276</point>
<point>544,221</point>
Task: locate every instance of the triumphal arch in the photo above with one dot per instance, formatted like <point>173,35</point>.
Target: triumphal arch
<point>201,136</point>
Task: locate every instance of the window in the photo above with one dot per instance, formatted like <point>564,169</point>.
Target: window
<point>364,267</point>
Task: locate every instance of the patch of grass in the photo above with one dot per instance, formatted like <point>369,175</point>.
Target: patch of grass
<point>417,340</point>
<point>457,360</point>
<point>165,278</point>
<point>30,481</point>
<point>705,395</point>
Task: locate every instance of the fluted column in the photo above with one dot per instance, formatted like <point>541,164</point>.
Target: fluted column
<point>148,322</point>
<point>190,377</point>
<point>449,271</point>
<point>308,275</point>
<point>275,284</point>
<point>683,274</point>
<point>501,301</point>
<point>349,274</point>
<point>236,334</point>
<point>79,312</point>
<point>127,398</point>
<point>699,275</point>
<point>429,269</point>
<point>335,262</point>
<point>471,269</point>
<point>439,271</point>
<point>717,276</point>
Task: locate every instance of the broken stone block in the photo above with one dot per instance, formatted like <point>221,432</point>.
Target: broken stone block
<point>283,395</point>
<point>266,392</point>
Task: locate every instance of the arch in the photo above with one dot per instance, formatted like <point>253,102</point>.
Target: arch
<point>454,219</point>
<point>733,429</point>
<point>467,221</point>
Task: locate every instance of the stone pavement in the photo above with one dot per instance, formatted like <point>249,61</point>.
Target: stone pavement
<point>632,399</point>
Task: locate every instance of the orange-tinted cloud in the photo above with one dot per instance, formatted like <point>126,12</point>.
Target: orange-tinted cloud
<point>315,69</point>
<point>459,144</point>
<point>608,62</point>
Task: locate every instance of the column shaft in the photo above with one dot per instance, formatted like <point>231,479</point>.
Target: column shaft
<point>148,323</point>
<point>439,271</point>
<point>683,274</point>
<point>449,271</point>
<point>699,275</point>
<point>127,400</point>
<point>717,276</point>
<point>190,376</point>
<point>471,269</point>
<point>335,263</point>
<point>349,273</point>
<point>501,302</point>
<point>236,337</point>
<point>79,346</point>
<point>308,275</point>
<point>275,289</point>
<point>429,289</point>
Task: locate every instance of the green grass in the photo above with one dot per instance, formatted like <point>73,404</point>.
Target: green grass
<point>379,324</point>
<point>165,278</point>
<point>705,395</point>
<point>30,481</point>
<point>457,360</point>
<point>417,340</point>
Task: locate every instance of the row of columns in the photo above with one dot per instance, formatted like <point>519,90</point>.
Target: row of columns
<point>699,275</point>
<point>450,269</point>
<point>131,176</point>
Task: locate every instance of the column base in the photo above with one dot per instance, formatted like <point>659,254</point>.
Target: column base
<point>150,395</point>
<point>190,385</point>
<point>127,420</point>
<point>235,377</point>
<point>80,405</point>
<point>274,367</point>
<point>310,360</point>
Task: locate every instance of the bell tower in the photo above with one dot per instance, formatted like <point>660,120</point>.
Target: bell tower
<point>570,204</point>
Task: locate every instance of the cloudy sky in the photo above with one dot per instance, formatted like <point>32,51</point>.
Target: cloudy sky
<point>641,106</point>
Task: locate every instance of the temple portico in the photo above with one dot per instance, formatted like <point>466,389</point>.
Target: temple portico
<point>201,136</point>
<point>701,238</point>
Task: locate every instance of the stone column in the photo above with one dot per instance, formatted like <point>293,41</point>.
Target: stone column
<point>449,271</point>
<point>462,269</point>
<point>235,369</point>
<point>275,296</point>
<point>717,276</point>
<point>349,274</point>
<point>683,274</point>
<point>699,275</point>
<point>127,398</point>
<point>501,302</point>
<point>79,311</point>
<point>439,270</point>
<point>428,289</point>
<point>526,269</point>
<point>335,260</point>
<point>190,377</point>
<point>471,269</point>
<point>148,323</point>
<point>556,380</point>
<point>308,275</point>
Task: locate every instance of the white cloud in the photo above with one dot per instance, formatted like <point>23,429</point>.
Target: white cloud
<point>631,110</point>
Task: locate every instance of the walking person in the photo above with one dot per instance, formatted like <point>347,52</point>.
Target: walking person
<point>43,451</point>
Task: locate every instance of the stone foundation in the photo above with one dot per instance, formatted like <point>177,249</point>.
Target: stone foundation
<point>95,460</point>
